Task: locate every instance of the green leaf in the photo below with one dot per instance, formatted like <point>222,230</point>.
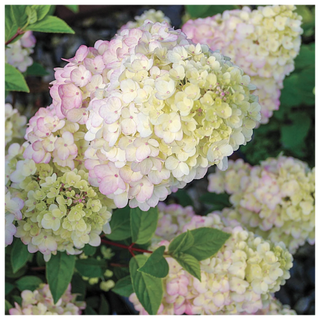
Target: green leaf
<point>220,201</point>
<point>28,283</point>
<point>156,265</point>
<point>89,250</point>
<point>73,7</point>
<point>10,24</point>
<point>19,255</point>
<point>14,80</point>
<point>148,289</point>
<point>7,306</point>
<point>50,24</point>
<point>36,69</point>
<point>19,15</point>
<point>181,243</point>
<point>207,242</point>
<point>8,287</point>
<point>143,224</point>
<point>123,287</point>
<point>78,285</point>
<point>91,267</point>
<point>183,198</point>
<point>120,224</point>
<point>32,15</point>
<point>104,305</point>
<point>8,269</point>
<point>42,10</point>
<point>202,11</point>
<point>189,263</point>
<point>40,260</point>
<point>59,270</point>
<point>89,311</point>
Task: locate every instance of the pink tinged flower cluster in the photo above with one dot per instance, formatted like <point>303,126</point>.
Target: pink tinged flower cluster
<point>40,302</point>
<point>18,53</point>
<point>263,42</point>
<point>157,109</point>
<point>274,199</point>
<point>240,278</point>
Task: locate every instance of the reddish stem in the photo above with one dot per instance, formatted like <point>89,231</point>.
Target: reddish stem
<point>18,33</point>
<point>130,248</point>
<point>119,265</point>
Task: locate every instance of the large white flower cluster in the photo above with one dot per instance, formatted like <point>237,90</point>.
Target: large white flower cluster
<point>40,302</point>
<point>14,124</point>
<point>240,277</point>
<point>158,112</point>
<point>274,199</point>
<point>54,211</point>
<point>263,42</point>
<point>151,15</point>
<point>18,53</point>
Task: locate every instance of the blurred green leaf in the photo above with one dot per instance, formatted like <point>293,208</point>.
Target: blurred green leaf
<point>78,285</point>
<point>183,198</point>
<point>104,307</point>
<point>28,283</point>
<point>203,11</point>
<point>19,255</point>
<point>7,306</point>
<point>91,267</point>
<point>36,69</point>
<point>8,287</point>
<point>123,287</point>
<point>73,7</point>
<point>14,80</point>
<point>89,250</point>
<point>89,311</point>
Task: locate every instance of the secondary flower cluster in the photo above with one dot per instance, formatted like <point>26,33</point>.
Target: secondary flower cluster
<point>59,211</point>
<point>263,42</point>
<point>18,53</point>
<point>157,110</point>
<point>14,123</point>
<point>274,199</point>
<point>240,277</point>
<point>40,301</point>
<point>151,15</point>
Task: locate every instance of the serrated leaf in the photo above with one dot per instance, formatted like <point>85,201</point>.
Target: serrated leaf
<point>10,24</point>
<point>91,267</point>
<point>148,289</point>
<point>207,242</point>
<point>143,224</point>
<point>42,10</point>
<point>50,24</point>
<point>14,80</point>
<point>181,243</point>
<point>32,14</point>
<point>189,263</point>
<point>156,265</point>
<point>59,271</point>
<point>8,287</point>
<point>123,287</point>
<point>28,283</point>
<point>120,224</point>
<point>19,255</point>
<point>73,7</point>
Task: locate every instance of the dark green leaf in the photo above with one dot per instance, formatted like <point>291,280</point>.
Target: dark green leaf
<point>89,311</point>
<point>10,24</point>
<point>19,255</point>
<point>104,305</point>
<point>40,260</point>
<point>91,267</point>
<point>32,14</point>
<point>181,243</point>
<point>183,198</point>
<point>59,270</point>
<point>148,289</point>
<point>189,263</point>
<point>78,285</point>
<point>8,269</point>
<point>207,242</point>
<point>50,24</point>
<point>123,287</point>
<point>89,250</point>
<point>19,15</point>
<point>156,265</point>
<point>14,80</point>
<point>17,299</point>
<point>221,200</point>
<point>73,7</point>
<point>8,287</point>
<point>42,10</point>
<point>36,69</point>
<point>120,273</point>
<point>28,283</point>
<point>120,225</point>
<point>202,11</point>
<point>143,224</point>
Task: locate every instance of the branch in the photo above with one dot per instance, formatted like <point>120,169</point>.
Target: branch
<point>18,33</point>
